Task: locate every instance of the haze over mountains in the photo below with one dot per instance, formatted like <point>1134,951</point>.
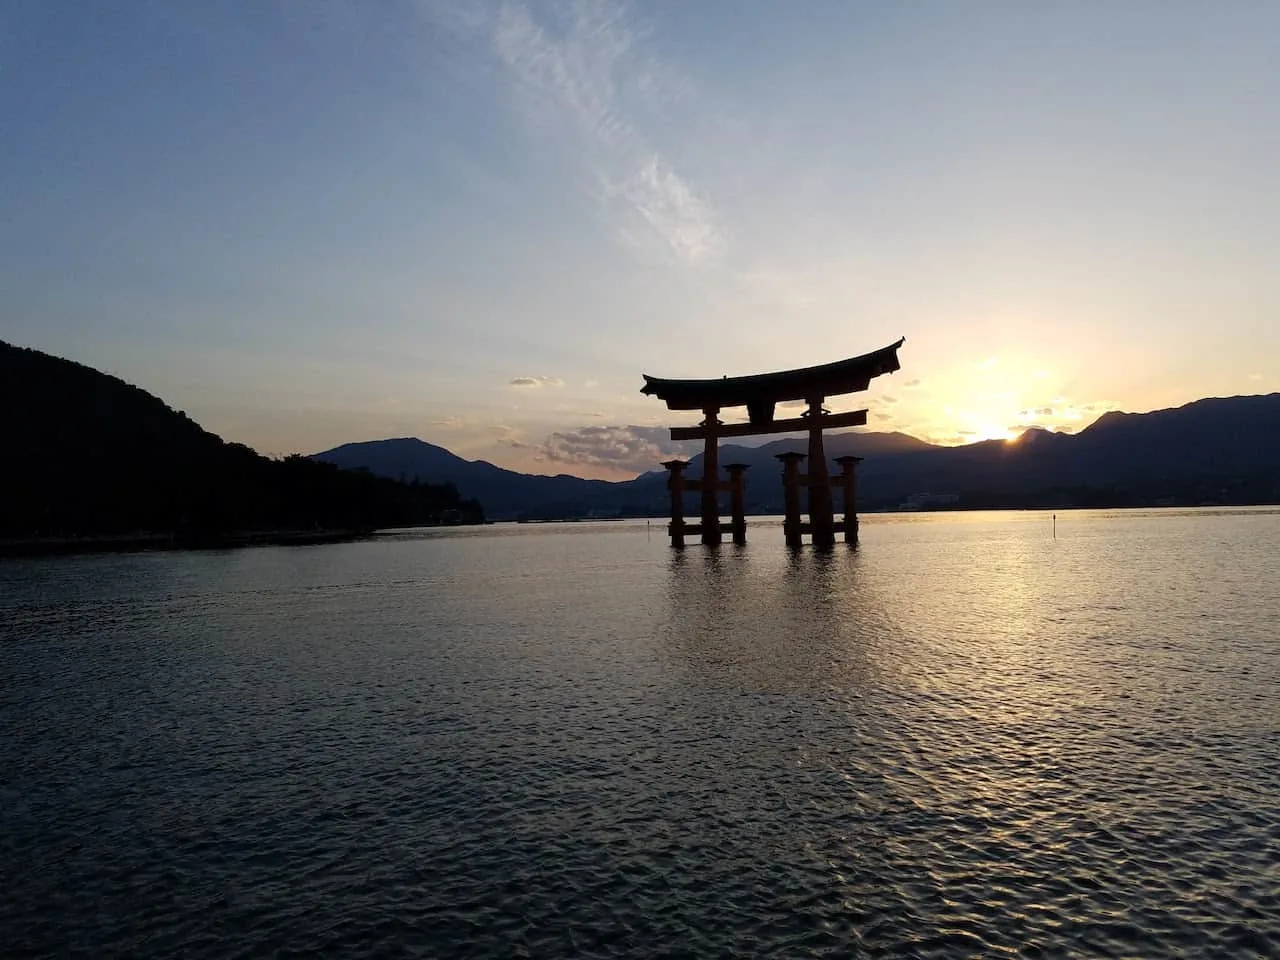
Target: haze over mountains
<point>1223,450</point>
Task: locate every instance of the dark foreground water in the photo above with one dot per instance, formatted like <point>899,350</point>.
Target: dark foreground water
<point>966,739</point>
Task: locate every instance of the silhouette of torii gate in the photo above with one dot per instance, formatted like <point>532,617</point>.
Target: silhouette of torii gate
<point>760,394</point>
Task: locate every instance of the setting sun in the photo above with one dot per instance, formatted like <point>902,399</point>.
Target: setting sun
<point>993,432</point>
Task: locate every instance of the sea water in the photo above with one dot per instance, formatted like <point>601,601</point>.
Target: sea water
<point>967,737</point>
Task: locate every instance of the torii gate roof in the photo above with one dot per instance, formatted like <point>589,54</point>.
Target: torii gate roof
<point>826,380</point>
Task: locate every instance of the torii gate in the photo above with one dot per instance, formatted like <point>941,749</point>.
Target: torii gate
<point>760,394</point>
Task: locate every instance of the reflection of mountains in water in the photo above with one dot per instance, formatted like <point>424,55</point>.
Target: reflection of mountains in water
<point>1219,451</point>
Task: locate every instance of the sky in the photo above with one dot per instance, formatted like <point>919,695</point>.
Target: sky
<point>306,222</point>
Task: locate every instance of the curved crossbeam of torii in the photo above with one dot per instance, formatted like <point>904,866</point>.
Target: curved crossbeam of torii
<point>760,394</point>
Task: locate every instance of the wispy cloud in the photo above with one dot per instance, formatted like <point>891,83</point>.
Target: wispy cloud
<point>583,62</point>
<point>506,433</point>
<point>537,382</point>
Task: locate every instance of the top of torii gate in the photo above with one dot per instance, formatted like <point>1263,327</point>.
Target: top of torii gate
<point>759,394</point>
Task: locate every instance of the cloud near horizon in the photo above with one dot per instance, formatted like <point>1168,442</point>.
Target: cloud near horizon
<point>537,382</point>
<point>631,448</point>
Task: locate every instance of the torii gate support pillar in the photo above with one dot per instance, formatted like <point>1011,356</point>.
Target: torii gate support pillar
<point>737,487</point>
<point>675,483</point>
<point>791,528</point>
<point>849,480</point>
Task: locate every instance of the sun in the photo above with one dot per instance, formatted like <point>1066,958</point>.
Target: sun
<point>990,430</point>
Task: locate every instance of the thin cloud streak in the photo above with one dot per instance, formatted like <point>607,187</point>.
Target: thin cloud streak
<point>582,63</point>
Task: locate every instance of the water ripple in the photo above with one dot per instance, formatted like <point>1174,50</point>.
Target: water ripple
<point>963,740</point>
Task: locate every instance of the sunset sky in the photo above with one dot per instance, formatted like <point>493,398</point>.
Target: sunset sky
<point>307,223</point>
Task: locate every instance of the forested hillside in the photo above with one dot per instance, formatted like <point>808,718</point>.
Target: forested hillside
<point>87,454</point>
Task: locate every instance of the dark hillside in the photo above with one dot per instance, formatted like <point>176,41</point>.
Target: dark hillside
<point>87,454</point>
<point>1217,450</point>
<point>504,493</point>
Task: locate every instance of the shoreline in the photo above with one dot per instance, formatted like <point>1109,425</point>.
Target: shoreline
<point>20,547</point>
<point>147,542</point>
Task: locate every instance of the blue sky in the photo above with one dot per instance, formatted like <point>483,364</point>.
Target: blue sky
<point>306,223</point>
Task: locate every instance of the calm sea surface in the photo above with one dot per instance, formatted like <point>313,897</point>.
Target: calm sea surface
<point>964,739</point>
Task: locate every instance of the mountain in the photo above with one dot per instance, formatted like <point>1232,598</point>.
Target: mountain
<point>87,454</point>
<point>1218,450</point>
<point>506,494</point>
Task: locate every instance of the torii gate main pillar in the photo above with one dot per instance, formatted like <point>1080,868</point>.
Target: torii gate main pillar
<point>821,511</point>
<point>711,477</point>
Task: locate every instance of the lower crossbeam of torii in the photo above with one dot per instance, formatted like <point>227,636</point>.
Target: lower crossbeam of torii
<point>761,394</point>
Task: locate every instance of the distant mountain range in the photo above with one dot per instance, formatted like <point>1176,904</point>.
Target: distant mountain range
<point>1223,450</point>
<point>504,493</point>
<point>87,455</point>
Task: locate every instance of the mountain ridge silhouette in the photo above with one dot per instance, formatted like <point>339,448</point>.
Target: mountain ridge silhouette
<point>89,456</point>
<point>1211,450</point>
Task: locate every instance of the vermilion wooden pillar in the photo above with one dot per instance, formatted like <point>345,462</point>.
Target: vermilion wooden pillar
<point>849,478</point>
<point>821,512</point>
<point>737,508</point>
<point>711,478</point>
<point>791,497</point>
<point>675,483</point>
